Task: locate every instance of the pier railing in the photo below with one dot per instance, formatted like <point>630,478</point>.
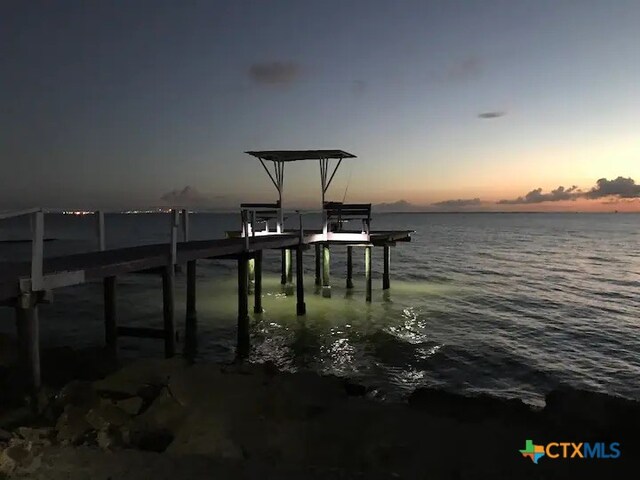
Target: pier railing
<point>35,283</point>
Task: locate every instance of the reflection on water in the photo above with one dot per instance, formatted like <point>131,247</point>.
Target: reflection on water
<point>512,305</point>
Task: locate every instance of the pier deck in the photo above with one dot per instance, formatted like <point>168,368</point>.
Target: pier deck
<point>76,269</point>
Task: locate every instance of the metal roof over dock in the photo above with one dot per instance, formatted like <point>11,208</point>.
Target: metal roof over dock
<point>295,155</point>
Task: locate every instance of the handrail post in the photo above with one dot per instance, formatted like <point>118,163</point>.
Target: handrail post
<point>301,229</point>
<point>245,228</point>
<point>101,232</point>
<point>253,223</point>
<point>37,247</point>
<point>174,236</point>
<point>185,225</point>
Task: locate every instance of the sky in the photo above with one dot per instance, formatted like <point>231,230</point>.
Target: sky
<point>465,105</point>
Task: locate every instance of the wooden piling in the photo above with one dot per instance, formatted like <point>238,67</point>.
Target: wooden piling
<point>100,230</point>
<point>257,296</point>
<point>243,346</point>
<point>252,276</point>
<point>283,267</point>
<point>168,308</point>
<point>301,307</point>
<point>29,341</point>
<point>288,288</point>
<point>326,271</point>
<point>110,317</point>
<point>318,265</point>
<point>191,320</point>
<point>386,283</point>
<point>349,267</point>
<point>367,271</point>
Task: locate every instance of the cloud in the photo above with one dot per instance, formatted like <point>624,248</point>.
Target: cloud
<point>620,187</point>
<point>463,70</point>
<point>399,206</point>
<point>275,73</point>
<point>358,87</point>
<point>536,196</point>
<point>490,115</point>
<point>188,197</point>
<point>458,203</point>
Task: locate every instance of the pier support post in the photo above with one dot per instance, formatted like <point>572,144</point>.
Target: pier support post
<point>191,319</point>
<point>318,265</point>
<point>326,271</point>
<point>367,271</point>
<point>110,318</point>
<point>301,307</point>
<point>257,305</point>
<point>243,346</point>
<point>288,274</point>
<point>283,267</point>
<point>386,283</point>
<point>349,267</point>
<point>252,275</point>
<point>168,308</point>
<point>29,340</point>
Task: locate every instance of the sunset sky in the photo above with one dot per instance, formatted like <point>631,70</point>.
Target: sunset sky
<point>114,104</point>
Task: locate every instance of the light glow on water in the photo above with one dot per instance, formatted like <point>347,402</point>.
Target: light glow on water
<point>511,305</point>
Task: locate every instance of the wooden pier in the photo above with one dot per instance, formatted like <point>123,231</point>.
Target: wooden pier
<point>25,285</point>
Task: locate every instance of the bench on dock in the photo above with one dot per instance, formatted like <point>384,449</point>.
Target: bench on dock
<point>338,213</point>
<point>255,213</point>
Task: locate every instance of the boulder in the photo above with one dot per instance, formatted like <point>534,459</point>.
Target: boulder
<point>127,381</point>
<point>203,434</point>
<point>592,412</point>
<point>111,437</point>
<point>78,393</point>
<point>106,414</point>
<point>41,435</point>
<point>165,413</point>
<point>4,435</point>
<point>460,407</point>
<point>131,406</point>
<point>151,440</point>
<point>72,426</point>
<point>20,456</point>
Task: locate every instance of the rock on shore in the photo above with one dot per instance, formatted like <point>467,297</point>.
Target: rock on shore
<point>168,419</point>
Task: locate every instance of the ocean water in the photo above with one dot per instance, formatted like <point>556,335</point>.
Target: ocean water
<point>507,304</point>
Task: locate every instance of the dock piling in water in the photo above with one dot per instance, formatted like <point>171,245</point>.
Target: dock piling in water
<point>252,275</point>
<point>386,282</point>
<point>110,318</point>
<point>168,309</point>
<point>257,305</point>
<point>326,271</point>
<point>318,265</point>
<point>367,271</point>
<point>243,308</point>
<point>349,267</point>
<point>191,320</point>
<point>29,340</point>
<point>301,307</point>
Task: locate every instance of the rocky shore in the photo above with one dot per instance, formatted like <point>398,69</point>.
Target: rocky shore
<point>170,419</point>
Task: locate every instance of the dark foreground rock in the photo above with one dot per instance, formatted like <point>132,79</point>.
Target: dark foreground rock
<point>169,419</point>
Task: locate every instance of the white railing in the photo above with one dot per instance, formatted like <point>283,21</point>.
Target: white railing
<point>37,246</point>
<point>36,281</point>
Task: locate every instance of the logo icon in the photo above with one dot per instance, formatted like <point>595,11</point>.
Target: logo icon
<point>534,452</point>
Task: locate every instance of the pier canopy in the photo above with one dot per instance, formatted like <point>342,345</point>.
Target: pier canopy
<point>280,157</point>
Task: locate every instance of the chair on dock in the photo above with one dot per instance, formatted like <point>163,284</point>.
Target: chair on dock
<point>254,214</point>
<point>336,214</point>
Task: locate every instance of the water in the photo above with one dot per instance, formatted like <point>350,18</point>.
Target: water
<point>505,304</point>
